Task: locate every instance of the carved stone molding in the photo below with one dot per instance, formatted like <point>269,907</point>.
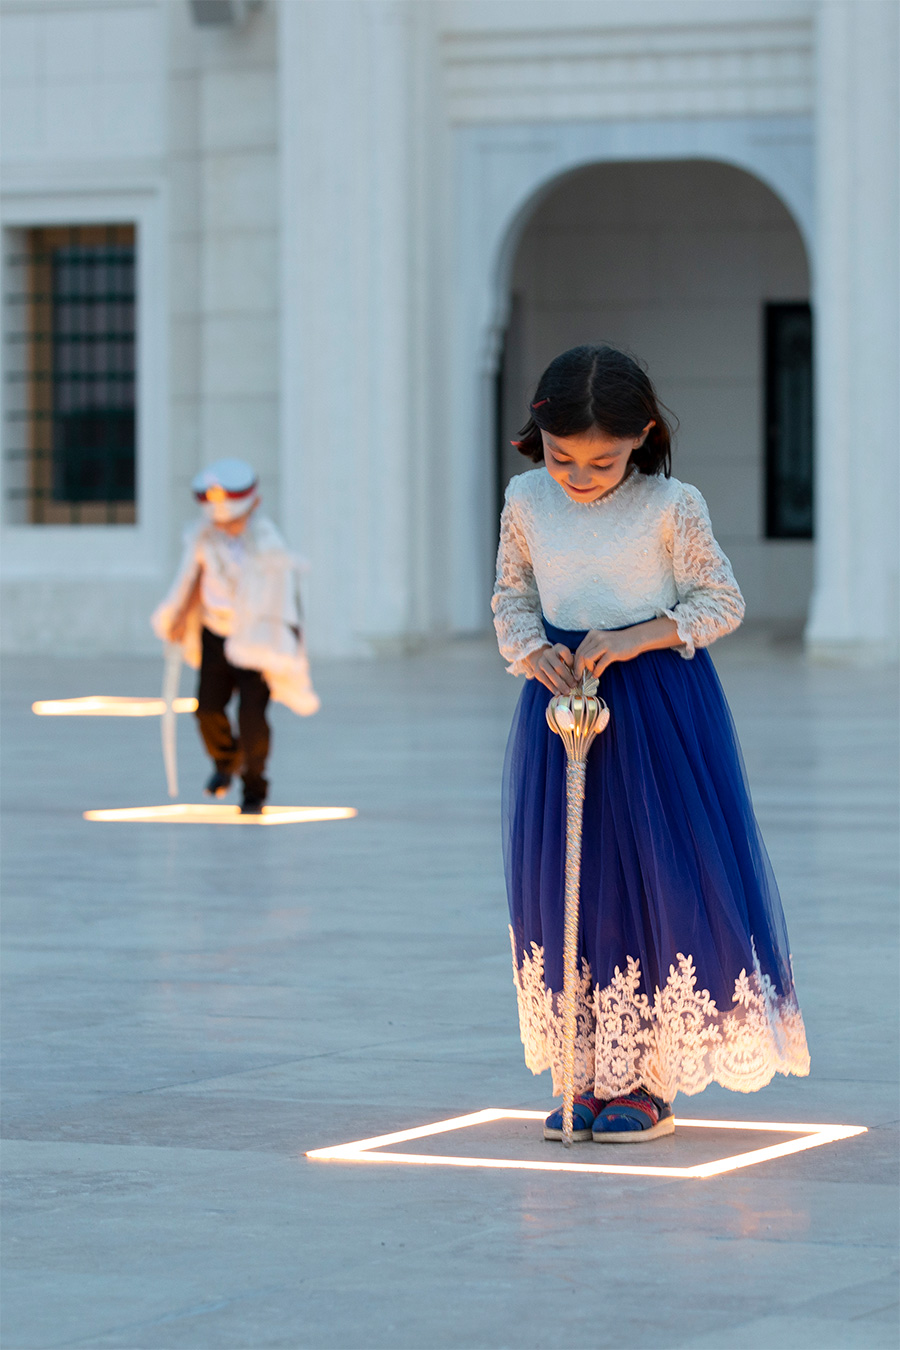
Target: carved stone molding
<point>558,75</point>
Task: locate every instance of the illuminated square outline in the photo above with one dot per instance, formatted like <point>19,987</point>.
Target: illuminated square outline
<point>110,705</point>
<point>364,1150</point>
<point>217,813</point>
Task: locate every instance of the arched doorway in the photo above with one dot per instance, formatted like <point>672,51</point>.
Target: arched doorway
<point>698,268</point>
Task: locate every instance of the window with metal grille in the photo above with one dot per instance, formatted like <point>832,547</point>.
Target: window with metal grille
<point>70,399</point>
<point>789,422</point>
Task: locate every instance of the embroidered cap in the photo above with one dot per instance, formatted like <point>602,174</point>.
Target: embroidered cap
<point>226,490</point>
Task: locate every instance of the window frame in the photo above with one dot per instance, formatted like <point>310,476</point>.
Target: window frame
<point>29,550</point>
<point>42,382</point>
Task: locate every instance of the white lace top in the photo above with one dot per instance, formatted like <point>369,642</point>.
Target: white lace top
<point>644,550</point>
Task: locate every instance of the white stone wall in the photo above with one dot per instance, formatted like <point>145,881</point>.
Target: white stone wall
<point>355,455</point>
<point>129,111</point>
<point>329,201</point>
<point>576,84</point>
<point>84,139</point>
<point>223,292</point>
<point>81,81</point>
<point>674,262</point>
<point>855,612</point>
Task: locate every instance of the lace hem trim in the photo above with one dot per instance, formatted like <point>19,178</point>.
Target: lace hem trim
<point>676,1041</point>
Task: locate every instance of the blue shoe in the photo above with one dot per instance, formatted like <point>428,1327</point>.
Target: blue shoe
<point>635,1118</point>
<point>585,1111</point>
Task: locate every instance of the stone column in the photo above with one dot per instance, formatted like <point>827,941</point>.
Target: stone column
<point>855,599</point>
<point>346,293</point>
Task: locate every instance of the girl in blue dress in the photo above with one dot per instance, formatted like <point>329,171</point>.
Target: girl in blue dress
<point>608,564</point>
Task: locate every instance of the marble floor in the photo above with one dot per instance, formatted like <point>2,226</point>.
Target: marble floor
<point>188,1009</point>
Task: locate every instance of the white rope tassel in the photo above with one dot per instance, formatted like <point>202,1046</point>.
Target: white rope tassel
<point>575,776</point>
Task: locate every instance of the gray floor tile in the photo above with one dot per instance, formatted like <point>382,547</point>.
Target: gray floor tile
<point>187,1010</point>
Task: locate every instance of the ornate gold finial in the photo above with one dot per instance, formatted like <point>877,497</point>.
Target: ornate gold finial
<point>578,717</point>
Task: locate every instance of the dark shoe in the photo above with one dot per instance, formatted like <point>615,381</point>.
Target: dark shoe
<point>585,1111</point>
<point>218,785</point>
<point>635,1118</point>
<point>252,806</point>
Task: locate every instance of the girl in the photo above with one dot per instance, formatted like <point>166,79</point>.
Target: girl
<point>608,565</point>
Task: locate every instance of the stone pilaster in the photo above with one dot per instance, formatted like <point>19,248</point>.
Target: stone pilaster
<point>855,600</point>
<point>346,293</point>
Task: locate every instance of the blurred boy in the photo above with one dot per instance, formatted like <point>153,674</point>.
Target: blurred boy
<point>235,609</point>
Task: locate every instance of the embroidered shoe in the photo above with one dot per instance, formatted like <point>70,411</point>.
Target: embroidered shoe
<point>585,1111</point>
<point>634,1118</point>
<point>218,785</point>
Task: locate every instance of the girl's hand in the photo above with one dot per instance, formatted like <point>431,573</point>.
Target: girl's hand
<point>598,650</point>
<point>553,667</point>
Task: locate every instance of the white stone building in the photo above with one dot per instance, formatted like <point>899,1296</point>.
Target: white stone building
<point>355,230</point>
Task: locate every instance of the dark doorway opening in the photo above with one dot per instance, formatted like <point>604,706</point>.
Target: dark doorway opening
<point>789,422</point>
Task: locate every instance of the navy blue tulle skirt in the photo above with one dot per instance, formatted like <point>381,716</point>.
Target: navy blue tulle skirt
<point>685,967</point>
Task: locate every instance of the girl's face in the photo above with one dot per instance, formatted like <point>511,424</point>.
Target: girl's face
<point>589,465</point>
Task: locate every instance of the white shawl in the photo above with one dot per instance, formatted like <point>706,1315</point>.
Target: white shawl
<point>267,634</point>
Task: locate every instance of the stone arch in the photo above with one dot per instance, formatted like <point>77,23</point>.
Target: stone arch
<point>677,261</point>
<point>502,176</point>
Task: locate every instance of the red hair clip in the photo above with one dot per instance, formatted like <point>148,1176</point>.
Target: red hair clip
<point>517,444</point>
<point>540,403</point>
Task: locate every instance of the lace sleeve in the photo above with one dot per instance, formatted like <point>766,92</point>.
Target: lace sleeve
<point>516,602</point>
<point>709,602</point>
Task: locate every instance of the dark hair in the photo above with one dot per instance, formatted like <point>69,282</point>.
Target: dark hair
<point>588,387</point>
